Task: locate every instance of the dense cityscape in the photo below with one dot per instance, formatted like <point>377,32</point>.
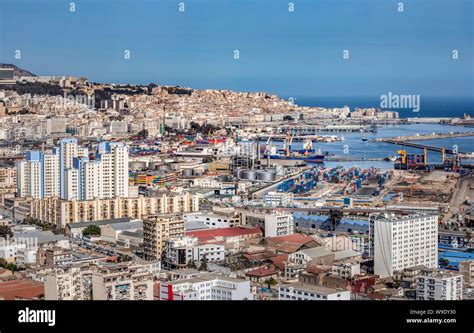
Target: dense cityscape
<point>126,192</point>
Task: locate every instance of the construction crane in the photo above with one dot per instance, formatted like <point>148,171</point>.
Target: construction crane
<point>403,155</point>
<point>288,149</point>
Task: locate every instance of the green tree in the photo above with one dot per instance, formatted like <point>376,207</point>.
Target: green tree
<point>5,231</point>
<point>443,262</point>
<point>91,230</point>
<point>5,264</point>
<point>271,282</point>
<point>203,265</point>
<point>191,264</point>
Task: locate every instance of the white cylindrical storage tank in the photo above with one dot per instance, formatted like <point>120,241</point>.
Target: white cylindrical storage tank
<point>266,176</point>
<point>187,172</point>
<point>162,167</point>
<point>279,170</point>
<point>250,175</point>
<point>173,166</point>
<point>137,165</point>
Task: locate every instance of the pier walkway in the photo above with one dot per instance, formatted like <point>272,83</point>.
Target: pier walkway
<point>432,136</point>
<point>420,146</point>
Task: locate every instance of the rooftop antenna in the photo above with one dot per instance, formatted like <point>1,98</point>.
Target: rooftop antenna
<point>253,153</point>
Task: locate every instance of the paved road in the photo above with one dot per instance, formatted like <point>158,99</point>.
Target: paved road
<point>460,194</point>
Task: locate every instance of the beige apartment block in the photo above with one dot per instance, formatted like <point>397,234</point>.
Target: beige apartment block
<point>157,230</point>
<point>57,212</point>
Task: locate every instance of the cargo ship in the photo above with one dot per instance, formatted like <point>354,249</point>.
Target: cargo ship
<point>307,154</point>
<point>214,141</point>
<point>200,151</point>
<point>210,139</point>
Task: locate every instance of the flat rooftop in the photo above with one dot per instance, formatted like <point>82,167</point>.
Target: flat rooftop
<point>312,288</point>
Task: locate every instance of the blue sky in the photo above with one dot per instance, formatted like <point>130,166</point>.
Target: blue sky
<point>297,53</point>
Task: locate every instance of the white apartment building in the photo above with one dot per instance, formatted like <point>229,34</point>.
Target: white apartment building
<point>26,256</point>
<point>345,270</point>
<point>307,292</point>
<point>51,174</point>
<point>107,175</point>
<point>207,182</point>
<point>278,199</point>
<point>9,250</point>
<point>29,176</point>
<point>67,152</point>
<point>274,224</point>
<point>114,158</point>
<point>359,243</point>
<point>82,152</point>
<point>213,220</point>
<point>439,285</point>
<point>320,253</point>
<point>23,247</point>
<point>118,127</point>
<point>279,225</point>
<point>68,173</point>
<point>90,174</point>
<point>55,125</point>
<point>70,187</point>
<point>206,287</point>
<point>404,241</point>
<point>183,250</point>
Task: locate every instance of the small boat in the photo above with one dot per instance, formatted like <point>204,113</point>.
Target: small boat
<point>391,158</point>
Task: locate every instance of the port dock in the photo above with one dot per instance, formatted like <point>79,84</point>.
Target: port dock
<point>432,136</point>
<point>420,146</point>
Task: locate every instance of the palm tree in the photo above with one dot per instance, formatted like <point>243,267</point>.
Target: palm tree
<point>203,265</point>
<point>334,218</point>
<point>467,237</point>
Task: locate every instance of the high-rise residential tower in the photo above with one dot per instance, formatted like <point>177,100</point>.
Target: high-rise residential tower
<point>68,173</point>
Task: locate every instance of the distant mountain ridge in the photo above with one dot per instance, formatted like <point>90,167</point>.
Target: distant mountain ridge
<point>17,70</point>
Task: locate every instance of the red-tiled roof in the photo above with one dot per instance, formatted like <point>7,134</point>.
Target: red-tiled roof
<point>293,238</point>
<point>21,288</point>
<point>262,255</point>
<point>278,261</point>
<point>224,232</point>
<point>261,272</point>
<point>317,269</point>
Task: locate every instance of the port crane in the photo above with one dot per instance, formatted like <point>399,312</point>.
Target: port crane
<point>288,149</point>
<point>308,146</point>
<point>267,147</point>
